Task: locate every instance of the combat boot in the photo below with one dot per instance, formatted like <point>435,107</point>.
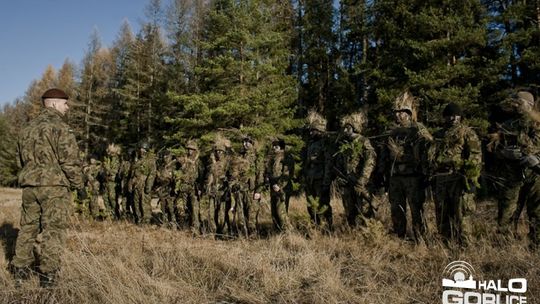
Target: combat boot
<point>48,280</point>
<point>20,274</point>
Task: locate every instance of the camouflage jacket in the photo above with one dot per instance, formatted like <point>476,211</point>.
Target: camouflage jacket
<point>143,172</point>
<point>186,176</point>
<point>280,170</point>
<point>520,134</point>
<point>48,153</point>
<point>165,178</point>
<point>352,164</point>
<point>314,160</point>
<point>246,171</point>
<point>111,168</point>
<point>456,149</point>
<point>405,151</point>
<point>92,174</point>
<point>217,178</point>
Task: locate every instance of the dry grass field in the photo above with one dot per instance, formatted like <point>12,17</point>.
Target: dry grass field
<point>122,263</point>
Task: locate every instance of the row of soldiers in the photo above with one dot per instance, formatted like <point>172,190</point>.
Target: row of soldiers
<point>408,161</point>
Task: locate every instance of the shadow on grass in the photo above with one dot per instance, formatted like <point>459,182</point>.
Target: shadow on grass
<point>8,236</point>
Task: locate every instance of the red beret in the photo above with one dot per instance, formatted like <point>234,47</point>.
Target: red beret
<point>55,93</point>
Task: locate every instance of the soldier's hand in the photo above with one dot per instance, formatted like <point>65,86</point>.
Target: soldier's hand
<point>529,161</point>
<point>81,194</point>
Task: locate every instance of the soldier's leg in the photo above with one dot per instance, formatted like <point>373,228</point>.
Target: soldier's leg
<point>30,226</point>
<point>468,202</point>
<point>252,213</point>
<point>347,198</point>
<point>416,194</point>
<point>54,222</point>
<point>137,204</point>
<point>440,197</point>
<point>281,209</point>
<point>110,198</point>
<point>398,206</point>
<point>312,200</point>
<point>507,204</point>
<point>146,207</point>
<point>194,212</point>
<point>242,212</point>
<point>327,208</point>
<point>533,212</point>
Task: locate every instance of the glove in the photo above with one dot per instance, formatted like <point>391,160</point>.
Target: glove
<point>512,153</point>
<point>529,161</point>
<point>81,194</point>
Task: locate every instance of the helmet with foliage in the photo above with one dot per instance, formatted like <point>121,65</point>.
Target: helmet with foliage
<point>192,145</point>
<point>315,121</point>
<point>356,120</point>
<point>221,143</point>
<point>113,149</point>
<point>406,102</point>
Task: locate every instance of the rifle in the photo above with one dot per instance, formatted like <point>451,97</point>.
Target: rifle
<point>351,182</point>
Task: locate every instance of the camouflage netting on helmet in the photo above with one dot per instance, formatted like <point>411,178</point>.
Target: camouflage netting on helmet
<point>356,120</point>
<point>113,149</point>
<point>407,102</point>
<point>315,121</point>
<point>221,143</point>
<point>192,144</point>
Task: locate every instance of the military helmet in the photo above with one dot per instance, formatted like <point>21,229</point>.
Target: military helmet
<point>452,109</point>
<point>315,121</point>
<point>221,143</point>
<point>518,99</point>
<point>356,120</point>
<point>192,145</point>
<point>406,103</point>
<point>54,93</point>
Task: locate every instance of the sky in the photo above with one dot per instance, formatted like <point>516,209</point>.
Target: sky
<point>38,33</point>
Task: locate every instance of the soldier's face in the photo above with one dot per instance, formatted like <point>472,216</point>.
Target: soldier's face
<point>403,117</point>
<point>314,133</point>
<point>348,130</point>
<point>219,154</point>
<point>276,148</point>
<point>452,120</point>
<point>247,144</point>
<point>190,152</point>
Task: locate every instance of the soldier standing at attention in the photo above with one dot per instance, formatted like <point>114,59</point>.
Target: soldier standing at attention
<point>456,163</point>
<point>517,145</point>
<point>111,174</point>
<point>185,178</point>
<point>404,162</point>
<point>142,179</point>
<point>49,157</point>
<point>351,167</point>
<point>317,194</point>
<point>279,173</point>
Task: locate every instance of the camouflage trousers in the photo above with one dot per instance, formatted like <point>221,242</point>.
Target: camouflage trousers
<point>217,212</point>
<point>142,203</point>
<point>169,211</point>
<point>453,207</point>
<point>246,212</point>
<point>45,212</point>
<point>356,208</point>
<point>278,206</point>
<point>112,207</point>
<point>409,190</point>
<point>512,199</point>
<point>318,203</point>
<point>188,206</point>
<point>94,209</point>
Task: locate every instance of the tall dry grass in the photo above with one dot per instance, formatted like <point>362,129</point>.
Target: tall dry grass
<point>122,263</point>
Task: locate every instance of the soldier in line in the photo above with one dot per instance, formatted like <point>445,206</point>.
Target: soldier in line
<point>246,181</point>
<point>125,200</point>
<point>217,187</point>
<point>455,165</point>
<point>185,178</point>
<point>404,163</point>
<point>111,175</point>
<point>279,172</point>
<point>165,190</point>
<point>92,173</point>
<point>517,145</point>
<point>351,167</point>
<point>317,193</point>
<point>142,181</point>
<point>48,156</point>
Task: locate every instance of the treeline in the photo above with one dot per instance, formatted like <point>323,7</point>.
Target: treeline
<point>199,66</point>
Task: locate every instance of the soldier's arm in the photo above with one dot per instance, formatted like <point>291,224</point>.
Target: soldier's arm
<point>68,158</point>
<point>370,159</point>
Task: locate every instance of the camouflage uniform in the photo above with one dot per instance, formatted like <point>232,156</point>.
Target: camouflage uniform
<point>456,162</point>
<point>111,174</point>
<point>49,158</point>
<point>165,191</point>
<point>185,181</point>
<point>351,167</point>
<point>404,163</point>
<point>92,173</point>
<point>317,193</point>
<point>217,188</point>
<point>279,173</point>
<point>142,180</point>
<point>126,198</point>
<point>517,147</point>
<point>246,180</point>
